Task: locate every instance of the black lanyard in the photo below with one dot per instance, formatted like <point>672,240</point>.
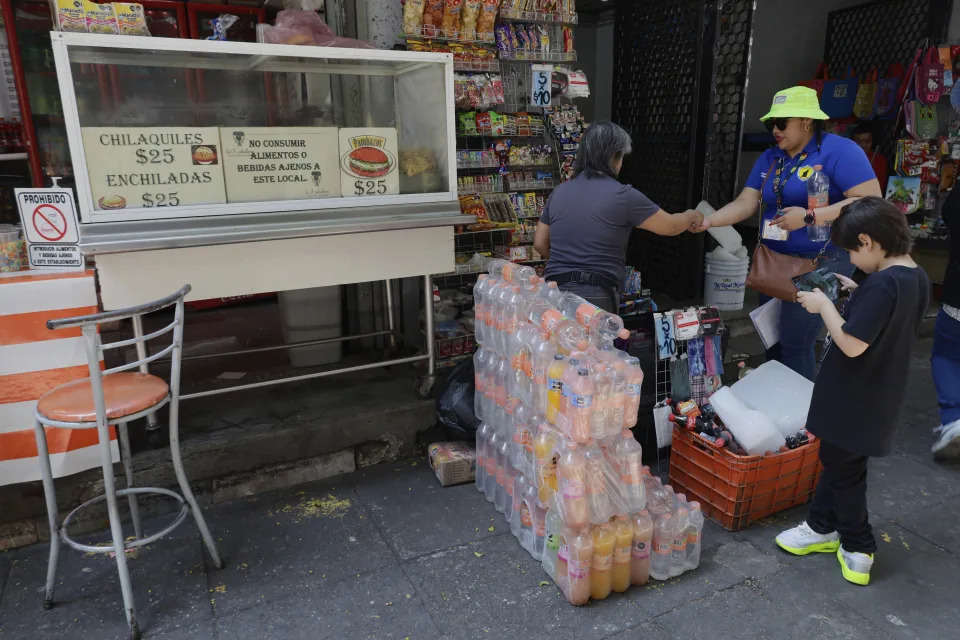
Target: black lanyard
<point>778,184</point>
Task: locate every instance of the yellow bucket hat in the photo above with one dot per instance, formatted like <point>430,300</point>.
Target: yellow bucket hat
<point>796,102</point>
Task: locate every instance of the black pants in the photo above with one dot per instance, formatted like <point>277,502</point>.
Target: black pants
<point>840,500</point>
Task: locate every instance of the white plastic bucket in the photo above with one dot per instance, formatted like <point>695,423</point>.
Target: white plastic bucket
<point>311,314</point>
<point>725,282</point>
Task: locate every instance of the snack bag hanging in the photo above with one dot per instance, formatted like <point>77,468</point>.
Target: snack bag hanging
<point>885,102</point>
<point>866,96</point>
<point>818,79</point>
<point>929,77</point>
<point>839,95</point>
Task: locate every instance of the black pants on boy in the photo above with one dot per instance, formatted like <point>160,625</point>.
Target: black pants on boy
<point>840,500</point>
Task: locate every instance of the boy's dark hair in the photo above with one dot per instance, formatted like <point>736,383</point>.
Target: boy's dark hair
<point>877,218</point>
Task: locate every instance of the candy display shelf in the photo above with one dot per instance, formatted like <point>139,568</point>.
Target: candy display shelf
<point>510,15</point>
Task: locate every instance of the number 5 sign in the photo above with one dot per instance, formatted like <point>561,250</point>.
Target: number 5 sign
<point>540,85</point>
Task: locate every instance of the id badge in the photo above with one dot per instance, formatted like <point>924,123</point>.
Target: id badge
<point>771,232</point>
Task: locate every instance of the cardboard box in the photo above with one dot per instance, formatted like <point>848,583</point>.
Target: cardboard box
<point>453,462</point>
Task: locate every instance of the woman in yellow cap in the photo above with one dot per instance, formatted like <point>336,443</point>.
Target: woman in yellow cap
<point>787,226</point>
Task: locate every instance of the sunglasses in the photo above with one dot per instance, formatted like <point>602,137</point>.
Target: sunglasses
<point>778,123</point>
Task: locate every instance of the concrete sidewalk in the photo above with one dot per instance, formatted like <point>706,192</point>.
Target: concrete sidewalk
<point>385,552</point>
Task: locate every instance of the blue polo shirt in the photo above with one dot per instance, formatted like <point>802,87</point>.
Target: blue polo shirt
<point>843,161</point>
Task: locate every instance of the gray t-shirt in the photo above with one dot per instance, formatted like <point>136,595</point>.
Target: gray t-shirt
<point>590,219</point>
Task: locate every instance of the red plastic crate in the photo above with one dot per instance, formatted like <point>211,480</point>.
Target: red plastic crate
<point>733,490</point>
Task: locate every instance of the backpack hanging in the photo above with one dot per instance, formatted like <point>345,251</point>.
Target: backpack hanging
<point>863,107</point>
<point>839,95</point>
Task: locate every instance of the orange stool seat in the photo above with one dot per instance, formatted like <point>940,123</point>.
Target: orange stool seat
<point>125,393</point>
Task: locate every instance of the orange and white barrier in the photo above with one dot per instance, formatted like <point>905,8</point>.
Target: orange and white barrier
<point>34,360</point>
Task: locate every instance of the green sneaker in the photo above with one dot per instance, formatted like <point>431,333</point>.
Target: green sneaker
<point>802,540</point>
<point>855,565</point>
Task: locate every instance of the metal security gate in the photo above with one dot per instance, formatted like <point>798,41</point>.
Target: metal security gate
<point>679,76</point>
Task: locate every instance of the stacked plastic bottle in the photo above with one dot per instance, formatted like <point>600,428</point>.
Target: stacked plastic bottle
<point>555,454</point>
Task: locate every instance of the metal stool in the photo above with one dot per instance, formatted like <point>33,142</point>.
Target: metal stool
<point>115,397</point>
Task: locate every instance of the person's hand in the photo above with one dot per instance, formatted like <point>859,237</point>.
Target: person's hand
<point>697,218</point>
<point>813,301</point>
<point>846,284</point>
<point>700,228</point>
<point>792,219</point>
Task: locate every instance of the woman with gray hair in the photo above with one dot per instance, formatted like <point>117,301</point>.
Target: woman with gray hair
<point>586,224</point>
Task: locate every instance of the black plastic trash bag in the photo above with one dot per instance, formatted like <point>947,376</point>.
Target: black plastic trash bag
<point>455,403</point>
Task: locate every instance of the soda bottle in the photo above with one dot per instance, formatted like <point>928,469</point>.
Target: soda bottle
<point>507,321</point>
<point>578,567</point>
<point>483,446</point>
<point>544,315</point>
<point>480,380</point>
<point>551,549</point>
<point>629,454</point>
<point>572,476</point>
<point>607,327</point>
<point>601,400</point>
<point>549,292</point>
<point>519,274</point>
<point>664,531</point>
<point>537,515</point>
<point>634,381</point>
<point>490,459</point>
<point>640,554</point>
<point>598,499</point>
<point>480,307</point>
<point>516,526</point>
<point>694,533</point>
<point>601,566</point>
<point>503,472</point>
<point>744,370</point>
<point>678,551</point>
<point>546,479</point>
<point>818,196</point>
<point>542,357</point>
<point>493,308</point>
<point>580,405</point>
<point>623,544</point>
<point>554,387</point>
<point>570,337</point>
<point>522,451</point>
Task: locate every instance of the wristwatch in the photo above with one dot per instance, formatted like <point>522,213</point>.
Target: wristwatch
<point>809,218</point>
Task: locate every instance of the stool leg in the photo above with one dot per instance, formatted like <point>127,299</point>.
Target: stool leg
<point>53,514</point>
<point>185,485</point>
<point>128,471</point>
<point>116,530</point>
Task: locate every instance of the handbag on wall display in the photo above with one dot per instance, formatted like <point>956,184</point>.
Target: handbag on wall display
<point>771,272</point>
<point>840,95</point>
<point>929,77</point>
<point>926,121</point>
<point>819,78</point>
<point>885,103</point>
<point>863,107</point>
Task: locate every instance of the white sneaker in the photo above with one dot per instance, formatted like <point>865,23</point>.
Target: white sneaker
<point>947,446</point>
<point>855,566</point>
<point>802,540</point>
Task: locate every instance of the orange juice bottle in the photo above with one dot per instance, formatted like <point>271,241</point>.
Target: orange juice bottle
<point>546,464</point>
<point>602,564</point>
<point>554,386</point>
<point>623,545</point>
<point>580,548</point>
<point>572,476</point>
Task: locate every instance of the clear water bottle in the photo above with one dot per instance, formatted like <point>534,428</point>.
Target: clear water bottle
<point>818,196</point>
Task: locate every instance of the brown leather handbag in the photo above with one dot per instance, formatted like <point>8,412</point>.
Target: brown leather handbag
<point>771,272</point>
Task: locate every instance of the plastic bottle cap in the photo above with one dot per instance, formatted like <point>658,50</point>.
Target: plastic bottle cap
<point>583,372</point>
<point>558,357</point>
<point>626,434</point>
<point>574,362</point>
<point>695,506</point>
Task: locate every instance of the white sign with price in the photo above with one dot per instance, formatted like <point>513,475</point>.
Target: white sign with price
<point>368,162</point>
<point>540,85</point>
<point>147,167</point>
<point>49,222</point>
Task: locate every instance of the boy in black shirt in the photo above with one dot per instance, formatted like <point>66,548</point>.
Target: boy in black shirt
<point>859,393</point>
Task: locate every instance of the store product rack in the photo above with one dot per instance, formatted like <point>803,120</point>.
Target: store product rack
<point>540,17</point>
<point>489,66</point>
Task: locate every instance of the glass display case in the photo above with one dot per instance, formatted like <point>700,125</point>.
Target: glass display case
<point>181,129</point>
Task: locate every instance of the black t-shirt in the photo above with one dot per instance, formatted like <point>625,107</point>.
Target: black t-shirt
<point>857,401</point>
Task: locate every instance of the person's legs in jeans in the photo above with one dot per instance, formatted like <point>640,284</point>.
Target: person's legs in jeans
<point>840,501</point>
<point>945,364</point>
<point>592,294</point>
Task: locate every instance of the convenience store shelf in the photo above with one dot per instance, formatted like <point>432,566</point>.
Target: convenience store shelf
<point>510,15</point>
